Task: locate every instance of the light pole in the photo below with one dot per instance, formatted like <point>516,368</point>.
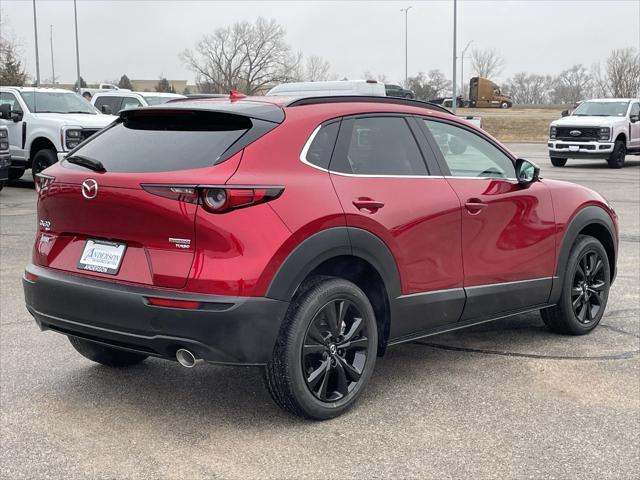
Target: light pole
<point>35,30</point>
<point>462,57</point>
<point>454,99</point>
<point>75,14</point>
<point>53,68</point>
<point>406,45</point>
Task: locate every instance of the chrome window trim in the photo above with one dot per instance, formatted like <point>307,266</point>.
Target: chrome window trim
<point>307,145</point>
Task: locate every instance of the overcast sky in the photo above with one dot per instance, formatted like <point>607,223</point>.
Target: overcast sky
<point>143,38</point>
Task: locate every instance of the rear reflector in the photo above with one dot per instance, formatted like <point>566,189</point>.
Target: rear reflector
<point>30,277</point>
<point>170,303</point>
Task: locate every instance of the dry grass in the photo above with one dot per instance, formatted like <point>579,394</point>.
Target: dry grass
<point>515,124</point>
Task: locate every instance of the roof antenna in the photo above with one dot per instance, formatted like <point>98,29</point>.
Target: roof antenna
<point>235,95</point>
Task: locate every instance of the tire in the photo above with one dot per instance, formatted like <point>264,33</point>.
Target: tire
<point>43,159</point>
<point>580,308</point>
<point>2,183</point>
<point>505,105</point>
<point>617,157</point>
<point>322,380</point>
<point>111,357</point>
<point>16,173</point>
<point>558,162</point>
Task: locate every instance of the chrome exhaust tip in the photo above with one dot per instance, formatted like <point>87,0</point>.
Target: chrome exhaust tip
<point>186,358</point>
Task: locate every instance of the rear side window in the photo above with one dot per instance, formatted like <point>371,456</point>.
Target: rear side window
<point>165,141</point>
<point>320,149</point>
<point>377,146</point>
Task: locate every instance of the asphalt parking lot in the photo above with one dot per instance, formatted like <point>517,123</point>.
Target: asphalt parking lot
<point>503,400</point>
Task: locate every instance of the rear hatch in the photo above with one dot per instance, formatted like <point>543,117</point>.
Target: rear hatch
<point>123,205</point>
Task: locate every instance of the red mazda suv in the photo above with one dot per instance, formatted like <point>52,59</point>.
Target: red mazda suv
<point>305,236</point>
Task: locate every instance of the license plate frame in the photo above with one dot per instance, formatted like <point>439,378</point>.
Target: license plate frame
<point>90,259</point>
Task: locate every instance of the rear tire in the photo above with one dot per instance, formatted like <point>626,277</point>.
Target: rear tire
<point>505,105</point>
<point>558,162</point>
<point>43,159</point>
<point>585,290</point>
<point>617,157</point>
<point>111,357</point>
<point>2,183</point>
<point>320,363</point>
<point>16,173</point>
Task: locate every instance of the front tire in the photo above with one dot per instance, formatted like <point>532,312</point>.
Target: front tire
<point>111,357</point>
<point>2,185</point>
<point>617,157</point>
<point>558,162</point>
<point>43,159</point>
<point>326,350</point>
<point>585,290</point>
<point>16,173</point>
<point>505,105</point>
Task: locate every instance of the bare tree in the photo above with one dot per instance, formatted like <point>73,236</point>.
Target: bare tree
<point>12,71</point>
<point>529,89</point>
<point>623,72</point>
<point>487,63</point>
<point>246,57</point>
<point>317,69</point>
<point>429,86</point>
<point>572,85</point>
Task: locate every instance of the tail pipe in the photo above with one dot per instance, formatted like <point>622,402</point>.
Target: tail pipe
<point>186,358</point>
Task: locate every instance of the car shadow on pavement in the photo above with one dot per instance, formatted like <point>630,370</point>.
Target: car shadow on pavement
<point>207,397</point>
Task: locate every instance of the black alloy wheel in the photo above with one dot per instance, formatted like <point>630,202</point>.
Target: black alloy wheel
<point>588,286</point>
<point>334,352</point>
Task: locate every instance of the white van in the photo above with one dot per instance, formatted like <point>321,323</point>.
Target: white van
<point>330,88</point>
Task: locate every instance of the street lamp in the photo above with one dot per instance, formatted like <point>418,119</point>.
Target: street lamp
<point>406,46</point>
<point>35,31</point>
<point>454,99</point>
<point>462,57</point>
<point>75,15</point>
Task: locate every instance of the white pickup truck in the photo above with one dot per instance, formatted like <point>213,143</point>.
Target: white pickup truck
<point>44,124</point>
<point>606,129</point>
<point>89,92</point>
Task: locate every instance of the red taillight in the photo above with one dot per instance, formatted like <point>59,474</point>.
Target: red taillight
<point>170,303</point>
<point>216,199</point>
<point>30,277</point>
<point>43,182</point>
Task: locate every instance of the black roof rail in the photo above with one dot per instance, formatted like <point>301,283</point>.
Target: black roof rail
<point>366,98</point>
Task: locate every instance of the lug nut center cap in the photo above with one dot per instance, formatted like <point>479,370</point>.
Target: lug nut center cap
<point>333,349</point>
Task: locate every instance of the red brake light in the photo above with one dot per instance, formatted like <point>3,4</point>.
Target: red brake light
<point>170,303</point>
<point>43,182</point>
<point>182,193</point>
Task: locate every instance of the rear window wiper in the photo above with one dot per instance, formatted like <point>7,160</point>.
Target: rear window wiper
<point>87,162</point>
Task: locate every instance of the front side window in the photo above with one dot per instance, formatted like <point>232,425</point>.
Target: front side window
<point>635,109</point>
<point>11,100</point>
<point>112,102</point>
<point>56,102</point>
<point>469,155</point>
<point>377,146</point>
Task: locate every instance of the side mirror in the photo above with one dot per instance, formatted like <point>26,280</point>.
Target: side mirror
<point>564,113</point>
<point>16,116</point>
<point>106,109</point>
<point>634,118</point>
<point>526,172</point>
<point>5,111</point>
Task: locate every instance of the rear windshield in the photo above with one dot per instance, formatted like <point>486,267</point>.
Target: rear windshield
<point>152,142</point>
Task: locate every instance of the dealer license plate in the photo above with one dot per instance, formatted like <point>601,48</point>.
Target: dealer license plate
<point>102,256</point>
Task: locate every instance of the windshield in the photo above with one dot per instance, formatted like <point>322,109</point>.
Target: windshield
<point>158,100</point>
<point>57,102</point>
<point>602,109</point>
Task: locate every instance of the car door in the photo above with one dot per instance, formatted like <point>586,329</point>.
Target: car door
<point>634,127</point>
<point>15,128</point>
<point>508,230</point>
<point>381,176</point>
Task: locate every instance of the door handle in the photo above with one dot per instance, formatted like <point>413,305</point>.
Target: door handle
<point>474,206</point>
<point>363,203</point>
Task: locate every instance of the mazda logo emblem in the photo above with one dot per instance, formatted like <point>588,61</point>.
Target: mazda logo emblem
<point>575,133</point>
<point>89,188</point>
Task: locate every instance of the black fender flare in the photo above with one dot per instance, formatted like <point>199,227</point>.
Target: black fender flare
<point>327,244</point>
<point>587,216</point>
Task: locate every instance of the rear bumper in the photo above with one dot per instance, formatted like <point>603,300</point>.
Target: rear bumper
<point>226,330</point>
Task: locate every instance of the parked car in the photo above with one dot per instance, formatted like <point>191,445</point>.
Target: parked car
<point>88,93</point>
<point>44,124</point>
<point>305,236</point>
<point>5,156</point>
<point>393,90</point>
<point>111,103</point>
<point>337,87</point>
<point>606,128</point>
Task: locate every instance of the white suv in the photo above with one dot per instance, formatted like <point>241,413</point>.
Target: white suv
<point>606,128</point>
<point>44,124</point>
<point>112,102</point>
